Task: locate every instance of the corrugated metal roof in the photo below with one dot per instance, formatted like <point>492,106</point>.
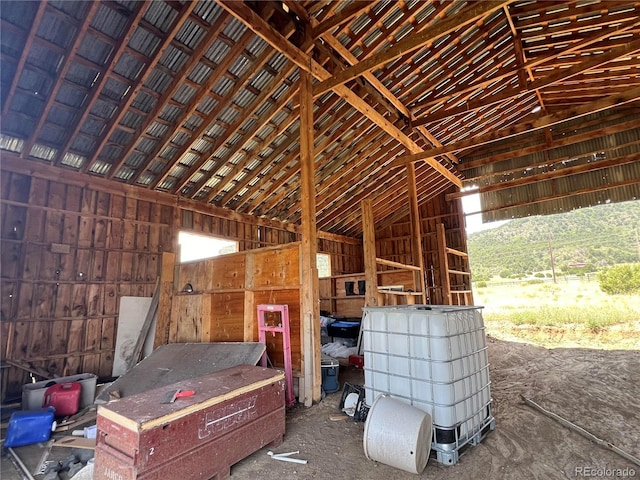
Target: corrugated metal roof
<point>131,120</point>
<point>83,144</point>
<point>168,153</point>
<point>95,49</point>
<point>457,86</point>
<point>184,94</point>
<point>92,126</point>
<point>44,58</point>
<point>234,30</point>
<point>208,11</point>
<point>73,160</point>
<point>160,15</point>
<point>56,30</point>
<point>200,73</point>
<point>11,144</point>
<point>206,105</point>
<point>173,58</point>
<point>143,102</point>
<point>158,81</point>
<point>192,122</point>
<point>82,75</point>
<point>108,21</point>
<point>115,90</point>
<point>43,152</point>
<point>190,34</point>
<point>217,51</point>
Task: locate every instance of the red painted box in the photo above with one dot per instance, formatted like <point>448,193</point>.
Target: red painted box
<point>233,413</point>
<point>64,397</point>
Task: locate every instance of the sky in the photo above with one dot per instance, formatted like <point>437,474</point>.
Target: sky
<point>471,203</point>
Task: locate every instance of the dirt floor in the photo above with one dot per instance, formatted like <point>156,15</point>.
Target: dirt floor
<point>599,390</point>
<point>595,389</point>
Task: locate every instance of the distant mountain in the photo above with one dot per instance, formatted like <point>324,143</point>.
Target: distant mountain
<point>583,240</point>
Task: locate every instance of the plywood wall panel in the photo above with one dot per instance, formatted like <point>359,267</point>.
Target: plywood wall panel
<point>227,317</point>
<point>277,268</point>
<point>274,343</point>
<point>228,272</point>
<point>187,311</point>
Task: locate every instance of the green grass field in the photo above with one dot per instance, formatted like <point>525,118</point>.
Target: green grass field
<point>574,313</point>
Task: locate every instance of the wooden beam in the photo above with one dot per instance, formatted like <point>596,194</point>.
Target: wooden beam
<point>243,13</point>
<point>37,19</point>
<point>416,231</point>
<point>181,76</point>
<point>472,13</point>
<point>401,266</point>
<point>541,177</point>
<point>131,27</point>
<point>563,74</point>
<point>525,127</point>
<point>344,15</point>
<point>443,264</point>
<point>146,72</point>
<point>60,77</point>
<point>369,245</point>
<point>310,314</point>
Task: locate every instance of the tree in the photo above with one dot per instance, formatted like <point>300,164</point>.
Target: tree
<point>620,279</point>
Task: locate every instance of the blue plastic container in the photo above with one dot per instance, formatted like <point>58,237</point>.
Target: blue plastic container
<point>330,368</point>
<point>30,426</point>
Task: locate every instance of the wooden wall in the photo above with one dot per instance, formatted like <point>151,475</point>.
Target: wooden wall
<point>71,245</point>
<point>227,290</point>
<point>394,243</point>
<point>69,252</point>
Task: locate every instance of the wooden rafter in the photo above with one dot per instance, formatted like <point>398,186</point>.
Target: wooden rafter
<point>180,78</point>
<point>25,54</point>
<point>62,73</point>
<point>132,25</point>
<point>220,107</point>
<point>253,21</point>
<point>548,120</point>
<point>468,15</point>
<point>144,74</point>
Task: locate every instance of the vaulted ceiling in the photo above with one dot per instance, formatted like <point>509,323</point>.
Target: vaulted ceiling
<point>200,99</point>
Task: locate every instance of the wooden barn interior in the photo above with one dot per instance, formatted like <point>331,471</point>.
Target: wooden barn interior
<point>294,128</point>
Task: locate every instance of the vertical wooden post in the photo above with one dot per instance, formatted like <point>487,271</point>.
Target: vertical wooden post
<point>310,314</point>
<point>369,246</point>
<point>444,265</point>
<point>163,323</point>
<point>249,299</point>
<point>416,231</point>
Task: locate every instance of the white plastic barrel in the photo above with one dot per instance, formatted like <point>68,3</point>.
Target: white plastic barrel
<point>397,434</point>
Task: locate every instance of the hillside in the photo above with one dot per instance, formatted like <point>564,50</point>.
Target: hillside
<point>596,236</point>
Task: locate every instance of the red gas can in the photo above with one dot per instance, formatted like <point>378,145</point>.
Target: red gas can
<point>64,397</point>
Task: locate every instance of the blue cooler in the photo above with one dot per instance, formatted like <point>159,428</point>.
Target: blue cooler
<point>30,426</point>
<point>330,367</point>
